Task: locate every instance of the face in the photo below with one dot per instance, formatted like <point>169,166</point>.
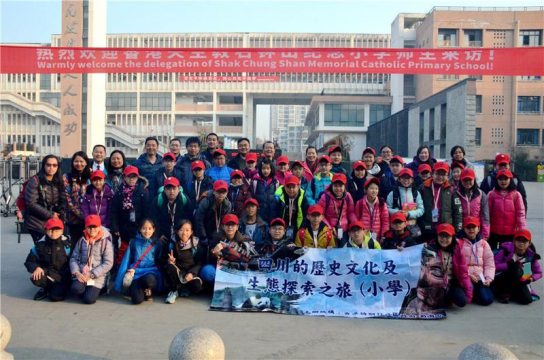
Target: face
<point>116,161</point>
<point>212,141</point>
<point>92,230</point>
<point>338,188</point>
<point>455,173</point>
<point>220,195</point>
<point>439,177</point>
<point>193,149</point>
<point>360,172</point>
<point>521,244</point>
<point>368,159</point>
<point>99,154</point>
<point>54,234</point>
<point>175,147</point>
<point>79,163</point>
<point>243,147</point>
<point>298,171</point>
<point>269,150</point>
<point>185,232</point>
<point>147,230</point>
<point>357,234</point>
<point>445,239</point>
<point>230,229</point>
<point>283,167</point>
<point>406,181</point>
<point>236,180</point>
<point>472,231</point>
<point>336,157</point>
<point>315,218</point>
<point>398,225</point>
<point>467,183</point>
<point>219,160</point>
<point>291,190</point>
<point>425,175</point>
<point>151,147</point>
<point>198,173</point>
<point>372,191</point>
<point>51,167</point>
<point>311,155</point>
<point>168,164</point>
<point>131,179</point>
<point>431,281</point>
<point>171,192</point>
<point>251,210</point>
<point>424,155</point>
<point>325,167</point>
<point>251,165</point>
<point>500,167</point>
<point>277,232</point>
<point>396,168</point>
<point>98,183</point>
<point>266,170</point>
<point>458,155</point>
<point>504,182</point>
<point>386,153</point>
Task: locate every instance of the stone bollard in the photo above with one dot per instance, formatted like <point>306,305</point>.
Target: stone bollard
<point>5,336</point>
<point>486,351</point>
<point>197,343</point>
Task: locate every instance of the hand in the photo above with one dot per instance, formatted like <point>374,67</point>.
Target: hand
<point>189,277</point>
<point>246,237</point>
<point>217,249</point>
<point>252,243</point>
<point>37,274</point>
<point>400,248</point>
<point>130,271</point>
<point>117,233</point>
<point>19,215</point>
<point>329,247</point>
<point>291,245</point>
<point>171,258</point>
<point>80,277</point>
<point>487,283</point>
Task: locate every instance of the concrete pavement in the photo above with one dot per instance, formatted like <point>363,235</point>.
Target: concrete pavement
<point>114,329</point>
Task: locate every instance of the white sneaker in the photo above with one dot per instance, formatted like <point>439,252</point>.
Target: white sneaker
<point>171,298</point>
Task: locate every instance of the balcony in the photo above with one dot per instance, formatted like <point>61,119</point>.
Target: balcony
<point>476,43</point>
<point>229,130</point>
<point>194,107</point>
<point>230,107</point>
<point>193,129</point>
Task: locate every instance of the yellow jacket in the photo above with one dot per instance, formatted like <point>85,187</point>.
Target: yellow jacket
<point>325,237</point>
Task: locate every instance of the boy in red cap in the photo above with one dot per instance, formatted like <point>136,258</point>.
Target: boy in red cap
<point>282,169</point>
<point>360,238</point>
<point>291,205</point>
<point>399,237</point>
<point>250,169</point>
<point>166,170</point>
<point>320,181</point>
<point>424,172</point>
<point>219,170</point>
<point>211,210</point>
<point>169,208</point>
<point>338,206</point>
<point>276,243</point>
<point>48,264</point>
<point>517,268</point>
<point>239,193</point>
<point>252,225</point>
<point>297,168</point>
<point>198,186</point>
<point>335,153</point>
<point>318,234</point>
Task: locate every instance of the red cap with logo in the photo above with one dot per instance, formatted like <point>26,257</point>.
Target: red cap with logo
<point>237,173</point>
<point>251,201</point>
<point>292,180</point>
<point>230,218</point>
<point>446,228</point>
<point>467,174</point>
<point>457,164</point>
<point>297,163</point>
<point>370,150</point>
<point>282,160</point>
<point>424,167</point>
<point>316,208</point>
<point>131,170</point>
<point>359,164</point>
<point>98,174</point>
<point>358,224</point>
<point>169,155</point>
<point>406,171</point>
<point>93,220</point>
<point>220,185</point>
<point>171,181</point>
<point>219,152</point>
<point>197,164</point>
<point>506,173</point>
<point>471,220</point>
<point>396,159</point>
<point>339,177</point>
<point>523,233</point>
<point>251,157</point>
<point>502,159</point>
<point>54,223</point>
<point>325,158</point>
<point>441,165</point>
<point>334,148</point>
<point>398,216</point>
<point>277,221</point>
<point>372,181</point>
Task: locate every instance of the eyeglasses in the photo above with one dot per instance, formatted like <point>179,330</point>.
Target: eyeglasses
<point>523,241</point>
<point>52,165</point>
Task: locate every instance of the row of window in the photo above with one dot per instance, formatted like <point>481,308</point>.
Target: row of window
<point>527,105</point>
<point>525,137</point>
<point>474,38</point>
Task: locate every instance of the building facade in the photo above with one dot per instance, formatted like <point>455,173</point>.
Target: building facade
<point>287,128</point>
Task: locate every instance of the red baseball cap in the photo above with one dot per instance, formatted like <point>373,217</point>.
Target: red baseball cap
<point>219,152</point>
<point>220,185</point>
<point>441,165</point>
<point>356,224</point>
<point>316,208</point>
<point>93,220</point>
<point>372,181</point>
<point>523,233</point>
<point>399,215</point>
<point>170,155</point>
<point>131,170</point>
<point>467,174</point>
<point>369,149</point>
<point>340,178</point>
<point>230,218</point>
<point>325,158</point>
<point>171,181</point>
<point>506,173</point>
<point>54,223</point>
<point>471,220</point>
<point>502,159</point>
<point>407,171</point>
<point>277,221</point>
<point>334,148</point>
<point>396,159</point>
<point>292,180</point>
<point>424,167</point>
<point>251,157</point>
<point>297,163</point>
<point>446,228</point>
<point>358,164</point>
<point>197,164</point>
<point>98,174</point>
<point>237,173</point>
<point>282,160</point>
<point>251,201</point>
<point>457,164</point>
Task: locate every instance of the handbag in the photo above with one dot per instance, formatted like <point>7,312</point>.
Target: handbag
<point>129,275</point>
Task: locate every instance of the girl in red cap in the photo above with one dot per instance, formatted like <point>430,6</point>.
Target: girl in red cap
<point>238,193</point>
<point>473,200</point>
<point>338,206</point>
<point>263,188</point>
<point>372,210</point>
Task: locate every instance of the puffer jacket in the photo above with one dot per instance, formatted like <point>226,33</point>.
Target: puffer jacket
<point>184,164</point>
<point>316,187</point>
<point>146,168</point>
<point>120,218</point>
<point>401,193</point>
<point>325,237</point>
<point>74,194</point>
<point>207,217</point>
<point>506,253</point>
<point>378,222</point>
<point>261,230</point>
<point>52,256</point>
<point>219,173</point>
<point>158,180</point>
<point>331,205</point>
<point>450,212</point>
<point>160,212</point>
<point>206,186</point>
<point>282,176</point>
<point>490,182</point>
<point>392,241</point>
<point>93,203</point>
<point>299,210</point>
<point>506,212</point>
<point>308,173</point>
<point>43,199</point>
<point>189,258</point>
<point>101,252</point>
<point>249,175</point>
<point>476,206</point>
<point>479,258</point>
<point>264,191</point>
<point>237,196</point>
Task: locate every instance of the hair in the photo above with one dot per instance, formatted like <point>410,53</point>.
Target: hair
<point>450,248</point>
<point>192,140</point>
<point>272,168</point>
<point>243,139</point>
<point>149,220</point>
<point>110,168</point>
<point>151,138</point>
<point>175,139</point>
<point>212,134</point>
<point>462,190</point>
<point>57,177</point>
<point>455,148</point>
<point>419,150</point>
<point>511,186</point>
<point>180,224</point>
<point>268,142</point>
<point>99,145</point>
<point>386,146</point>
<point>85,174</point>
<point>309,148</point>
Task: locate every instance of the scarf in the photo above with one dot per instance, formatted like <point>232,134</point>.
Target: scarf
<point>91,240</point>
<point>127,192</point>
<point>191,244</point>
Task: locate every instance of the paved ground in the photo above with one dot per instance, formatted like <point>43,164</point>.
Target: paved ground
<point>115,329</point>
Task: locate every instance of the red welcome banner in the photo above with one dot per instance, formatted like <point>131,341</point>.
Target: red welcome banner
<point>474,61</point>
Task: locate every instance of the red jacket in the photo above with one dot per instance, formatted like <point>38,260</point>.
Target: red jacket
<point>506,213</point>
<point>379,222</point>
<point>328,201</point>
<point>308,174</point>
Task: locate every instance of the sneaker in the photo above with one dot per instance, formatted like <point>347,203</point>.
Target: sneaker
<point>184,292</point>
<point>148,295</point>
<point>505,299</point>
<point>171,298</point>
<point>40,295</point>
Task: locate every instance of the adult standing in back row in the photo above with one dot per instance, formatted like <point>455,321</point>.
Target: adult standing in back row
<point>239,161</point>
<point>213,143</point>
<point>150,161</point>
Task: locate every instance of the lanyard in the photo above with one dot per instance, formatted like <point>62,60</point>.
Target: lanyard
<point>291,210</point>
<point>356,188</point>
<point>338,213</point>
<point>372,211</point>
<point>234,197</point>
<point>218,217</point>
<point>474,251</point>
<point>314,235</point>
<point>467,198</point>
<point>89,252</point>
<point>98,208</point>
<point>436,197</point>
<point>172,212</point>
<point>198,184</point>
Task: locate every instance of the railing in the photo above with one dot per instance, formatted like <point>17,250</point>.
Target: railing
<point>484,8</point>
<point>230,107</point>
<point>194,108</point>
<point>229,129</point>
<point>477,43</point>
<point>192,129</point>
<point>44,108</point>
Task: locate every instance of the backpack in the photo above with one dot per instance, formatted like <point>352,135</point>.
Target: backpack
<point>396,196</point>
<point>160,199</point>
<point>301,236</point>
<point>67,250</point>
<point>21,202</point>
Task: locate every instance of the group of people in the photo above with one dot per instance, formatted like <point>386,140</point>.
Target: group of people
<point>162,224</point>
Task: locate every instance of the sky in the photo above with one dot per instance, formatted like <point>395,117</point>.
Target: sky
<point>34,21</point>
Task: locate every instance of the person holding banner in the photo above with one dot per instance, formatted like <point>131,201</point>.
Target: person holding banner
<point>276,241</point>
<point>359,238</point>
<point>318,235</point>
<point>251,225</point>
<point>399,237</point>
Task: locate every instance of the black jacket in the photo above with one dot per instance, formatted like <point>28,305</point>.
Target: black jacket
<point>237,163</point>
<point>43,199</point>
<point>53,256</point>
<point>392,241</point>
<point>206,216</point>
<point>188,260</point>
<point>160,212</point>
<point>120,218</point>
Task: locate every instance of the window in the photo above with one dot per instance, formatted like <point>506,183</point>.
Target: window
<point>448,77</point>
<point>156,101</point>
<point>528,137</point>
<point>530,37</point>
<point>530,78</point>
<point>478,137</point>
<point>379,112</point>
<point>447,37</point>
<point>443,117</point>
<point>121,101</point>
<point>431,124</point>
<point>421,126</point>
<point>475,77</point>
<point>478,104</point>
<point>529,104</point>
<point>45,82</point>
<point>344,115</point>
<point>51,98</point>
<point>473,38</point>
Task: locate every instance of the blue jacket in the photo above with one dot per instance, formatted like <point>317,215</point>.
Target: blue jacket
<point>184,164</point>
<point>146,168</point>
<point>316,187</point>
<point>219,173</point>
<point>261,230</point>
<point>265,194</point>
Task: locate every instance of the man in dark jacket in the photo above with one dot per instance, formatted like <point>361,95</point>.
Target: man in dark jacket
<point>169,208</point>
<point>502,161</point>
<point>210,211</point>
<point>193,154</point>
<point>48,262</point>
<point>149,162</point>
<point>212,140</point>
<point>239,161</point>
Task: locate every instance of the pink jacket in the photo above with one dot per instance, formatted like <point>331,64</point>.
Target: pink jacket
<point>478,207</point>
<point>282,176</point>
<point>479,258</point>
<point>331,215</point>
<point>379,222</point>
<point>460,270</point>
<point>308,173</point>
<point>507,213</point>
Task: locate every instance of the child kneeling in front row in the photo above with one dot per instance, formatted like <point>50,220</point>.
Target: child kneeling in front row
<point>399,237</point>
<point>318,234</point>
<point>360,238</point>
